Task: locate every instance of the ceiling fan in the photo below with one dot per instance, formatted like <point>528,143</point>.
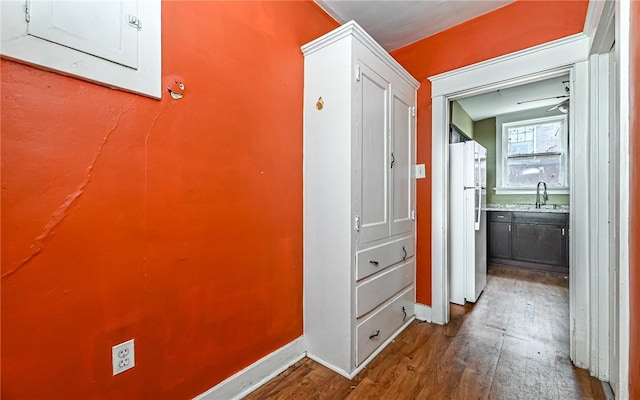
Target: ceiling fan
<point>563,106</point>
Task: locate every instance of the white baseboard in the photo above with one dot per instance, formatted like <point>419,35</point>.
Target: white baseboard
<point>328,365</point>
<point>257,374</point>
<point>423,313</point>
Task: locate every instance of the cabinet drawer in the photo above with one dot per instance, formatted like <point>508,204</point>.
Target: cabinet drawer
<point>373,331</point>
<point>371,294</point>
<point>541,218</point>
<point>499,216</point>
<point>377,258</point>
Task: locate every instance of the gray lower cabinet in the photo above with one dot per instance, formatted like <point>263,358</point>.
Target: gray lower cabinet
<point>499,234</point>
<point>529,239</point>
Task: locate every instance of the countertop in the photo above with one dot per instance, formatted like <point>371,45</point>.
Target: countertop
<point>551,208</point>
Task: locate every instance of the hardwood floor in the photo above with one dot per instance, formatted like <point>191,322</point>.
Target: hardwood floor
<point>512,344</point>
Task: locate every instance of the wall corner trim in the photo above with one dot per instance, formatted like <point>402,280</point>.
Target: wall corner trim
<point>257,374</point>
<point>423,312</point>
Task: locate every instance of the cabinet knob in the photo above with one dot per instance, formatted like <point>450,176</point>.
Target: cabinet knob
<point>373,262</point>
<point>375,334</point>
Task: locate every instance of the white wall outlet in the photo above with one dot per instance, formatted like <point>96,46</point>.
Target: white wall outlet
<point>123,357</point>
<point>421,171</point>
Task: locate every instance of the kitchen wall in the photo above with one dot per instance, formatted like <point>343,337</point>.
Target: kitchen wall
<point>634,202</point>
<point>517,26</point>
<point>177,223</point>
<point>461,119</point>
<point>485,132</point>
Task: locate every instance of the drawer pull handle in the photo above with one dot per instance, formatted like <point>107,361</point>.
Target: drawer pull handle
<point>405,314</point>
<point>375,334</point>
<point>500,216</point>
<point>404,257</point>
<point>374,262</point>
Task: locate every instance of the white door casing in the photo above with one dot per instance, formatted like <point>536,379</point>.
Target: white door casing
<point>622,59</point>
<point>607,25</point>
<point>614,226</point>
<point>551,59</point>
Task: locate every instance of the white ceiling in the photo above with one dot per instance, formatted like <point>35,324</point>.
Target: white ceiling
<point>539,94</point>
<point>397,23</point>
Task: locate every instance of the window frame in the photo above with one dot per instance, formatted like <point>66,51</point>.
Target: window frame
<point>19,46</point>
<point>502,139</point>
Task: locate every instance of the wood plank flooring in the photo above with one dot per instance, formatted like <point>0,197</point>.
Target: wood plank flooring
<point>512,344</point>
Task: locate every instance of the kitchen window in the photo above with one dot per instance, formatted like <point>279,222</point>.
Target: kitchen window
<point>531,151</point>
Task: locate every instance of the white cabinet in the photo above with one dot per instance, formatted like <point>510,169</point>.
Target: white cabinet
<point>359,198</point>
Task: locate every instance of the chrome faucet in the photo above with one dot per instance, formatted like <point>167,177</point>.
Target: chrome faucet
<point>545,197</point>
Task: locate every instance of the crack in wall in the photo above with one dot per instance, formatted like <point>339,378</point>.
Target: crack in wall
<point>146,158</point>
<point>61,212</point>
<point>145,213</point>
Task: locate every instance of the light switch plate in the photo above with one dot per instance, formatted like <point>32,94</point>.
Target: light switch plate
<point>421,172</point>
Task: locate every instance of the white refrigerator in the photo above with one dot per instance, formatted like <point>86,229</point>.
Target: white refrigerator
<point>467,221</point>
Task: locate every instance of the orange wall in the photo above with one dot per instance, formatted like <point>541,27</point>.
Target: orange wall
<point>514,27</point>
<point>634,202</point>
<point>177,223</point>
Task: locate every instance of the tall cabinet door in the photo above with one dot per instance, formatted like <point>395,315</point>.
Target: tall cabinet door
<point>402,138</point>
<point>372,99</point>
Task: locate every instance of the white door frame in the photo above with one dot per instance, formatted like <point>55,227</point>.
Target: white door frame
<point>551,59</point>
<point>622,62</point>
<point>608,22</point>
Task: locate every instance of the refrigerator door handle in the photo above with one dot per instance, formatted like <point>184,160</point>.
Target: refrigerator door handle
<point>476,224</point>
<point>476,160</point>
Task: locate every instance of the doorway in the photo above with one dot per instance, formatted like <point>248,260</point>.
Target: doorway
<point>565,56</point>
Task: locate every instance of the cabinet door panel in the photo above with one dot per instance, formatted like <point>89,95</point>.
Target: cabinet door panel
<point>539,243</point>
<point>372,95</point>
<point>402,151</point>
<point>499,245</point>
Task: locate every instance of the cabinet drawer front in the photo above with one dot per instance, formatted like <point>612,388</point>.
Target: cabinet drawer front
<point>374,292</point>
<point>499,216</point>
<point>373,331</point>
<point>377,258</point>
<point>541,218</point>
